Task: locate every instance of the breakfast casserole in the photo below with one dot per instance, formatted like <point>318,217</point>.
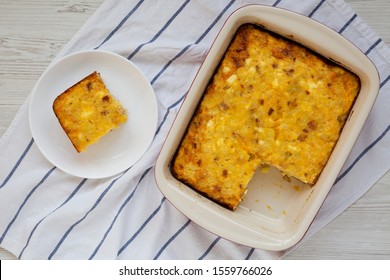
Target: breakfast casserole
<point>87,111</point>
<point>270,102</point>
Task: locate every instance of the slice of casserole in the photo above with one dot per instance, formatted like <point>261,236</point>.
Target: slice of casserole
<point>87,111</point>
<point>271,101</point>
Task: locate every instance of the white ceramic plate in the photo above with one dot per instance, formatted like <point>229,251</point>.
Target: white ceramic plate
<point>120,148</point>
<point>275,214</point>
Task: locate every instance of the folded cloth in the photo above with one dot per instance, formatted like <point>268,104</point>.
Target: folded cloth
<point>49,214</point>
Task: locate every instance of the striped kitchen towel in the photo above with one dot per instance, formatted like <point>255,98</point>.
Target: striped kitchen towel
<point>48,214</point>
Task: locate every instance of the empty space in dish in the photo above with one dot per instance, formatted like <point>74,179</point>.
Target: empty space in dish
<point>273,197</point>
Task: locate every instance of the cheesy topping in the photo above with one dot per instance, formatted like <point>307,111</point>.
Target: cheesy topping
<point>87,111</point>
<point>270,102</point>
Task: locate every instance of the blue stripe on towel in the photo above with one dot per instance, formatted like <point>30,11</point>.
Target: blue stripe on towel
<point>36,226</point>
<point>17,163</point>
<point>141,227</point>
<point>161,30</point>
<point>347,24</point>
<point>86,214</point>
<point>24,202</point>
<point>209,248</point>
<point>316,8</point>
<point>250,253</point>
<point>121,23</point>
<point>196,42</point>
<point>276,3</point>
<point>383,134</point>
<point>373,46</point>
<point>117,214</point>
<point>168,110</point>
<point>385,81</point>
<point>171,239</point>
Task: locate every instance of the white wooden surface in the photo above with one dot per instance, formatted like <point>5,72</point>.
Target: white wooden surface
<point>33,32</point>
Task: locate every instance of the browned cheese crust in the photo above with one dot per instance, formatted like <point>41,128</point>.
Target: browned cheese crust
<point>271,101</point>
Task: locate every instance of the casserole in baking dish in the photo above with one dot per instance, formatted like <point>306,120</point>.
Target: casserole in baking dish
<point>275,213</point>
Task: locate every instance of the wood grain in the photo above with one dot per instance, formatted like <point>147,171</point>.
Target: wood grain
<point>33,32</point>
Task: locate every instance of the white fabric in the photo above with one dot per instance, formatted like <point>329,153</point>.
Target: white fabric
<point>48,214</point>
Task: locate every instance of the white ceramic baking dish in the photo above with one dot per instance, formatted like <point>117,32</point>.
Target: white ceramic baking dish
<point>274,214</point>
